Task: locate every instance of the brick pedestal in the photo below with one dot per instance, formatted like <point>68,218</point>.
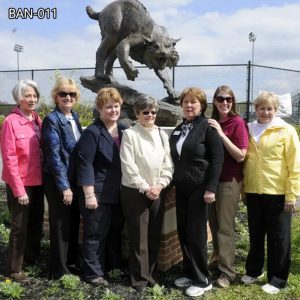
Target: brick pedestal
<point>170,251</point>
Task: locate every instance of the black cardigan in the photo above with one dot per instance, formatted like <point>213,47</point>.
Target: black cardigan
<point>201,159</point>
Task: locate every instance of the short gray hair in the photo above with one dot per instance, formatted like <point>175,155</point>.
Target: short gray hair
<point>21,86</point>
<point>144,101</point>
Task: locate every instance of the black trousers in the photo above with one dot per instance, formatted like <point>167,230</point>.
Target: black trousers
<point>144,219</point>
<point>191,213</point>
<point>266,217</point>
<point>26,228</point>
<point>102,238</point>
<point>64,229</point>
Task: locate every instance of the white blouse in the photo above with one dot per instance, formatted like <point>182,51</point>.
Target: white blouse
<point>74,127</point>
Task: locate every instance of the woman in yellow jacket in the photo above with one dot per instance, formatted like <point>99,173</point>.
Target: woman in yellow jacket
<point>271,184</point>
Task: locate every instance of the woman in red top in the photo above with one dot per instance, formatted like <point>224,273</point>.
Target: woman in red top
<point>234,134</point>
<point>21,155</point>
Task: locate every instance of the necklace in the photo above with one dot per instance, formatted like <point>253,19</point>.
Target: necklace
<point>185,129</point>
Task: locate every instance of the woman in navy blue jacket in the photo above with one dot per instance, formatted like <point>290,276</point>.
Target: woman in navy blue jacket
<point>98,170</point>
<point>60,132</point>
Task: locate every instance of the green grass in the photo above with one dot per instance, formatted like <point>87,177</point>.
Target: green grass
<point>42,289</point>
<point>253,292</point>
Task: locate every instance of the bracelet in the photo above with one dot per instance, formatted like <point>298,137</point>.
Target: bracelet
<point>89,196</point>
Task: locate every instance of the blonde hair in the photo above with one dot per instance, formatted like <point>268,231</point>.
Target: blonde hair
<point>267,98</point>
<point>104,95</point>
<point>64,82</point>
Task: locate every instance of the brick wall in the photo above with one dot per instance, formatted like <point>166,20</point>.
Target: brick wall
<point>170,251</point>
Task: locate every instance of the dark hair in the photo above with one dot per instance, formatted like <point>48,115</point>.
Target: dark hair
<point>198,93</point>
<point>226,89</point>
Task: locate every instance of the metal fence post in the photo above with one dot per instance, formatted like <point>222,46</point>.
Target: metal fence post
<point>248,91</point>
<point>173,77</point>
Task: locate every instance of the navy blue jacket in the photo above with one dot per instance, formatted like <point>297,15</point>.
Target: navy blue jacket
<point>58,143</point>
<point>98,161</point>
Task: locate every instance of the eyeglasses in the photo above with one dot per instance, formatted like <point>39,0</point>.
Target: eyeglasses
<point>221,99</point>
<point>65,94</point>
<point>147,112</point>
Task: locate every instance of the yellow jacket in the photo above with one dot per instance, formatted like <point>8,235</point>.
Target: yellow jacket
<point>272,166</point>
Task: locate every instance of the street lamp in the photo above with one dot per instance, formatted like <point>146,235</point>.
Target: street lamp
<point>252,38</point>
<point>18,49</point>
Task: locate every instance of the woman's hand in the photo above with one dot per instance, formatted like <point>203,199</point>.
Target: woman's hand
<point>23,200</point>
<point>154,191</point>
<point>91,201</point>
<point>67,197</point>
<point>215,124</point>
<point>209,197</point>
<point>289,207</point>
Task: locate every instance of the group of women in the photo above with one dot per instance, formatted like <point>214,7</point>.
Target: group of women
<point>109,174</point>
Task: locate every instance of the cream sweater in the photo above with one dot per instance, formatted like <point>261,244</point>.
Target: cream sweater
<point>145,158</point>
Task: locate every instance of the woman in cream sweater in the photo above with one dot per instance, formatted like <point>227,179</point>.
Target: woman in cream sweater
<point>146,171</point>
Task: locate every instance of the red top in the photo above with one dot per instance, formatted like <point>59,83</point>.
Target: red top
<point>235,129</point>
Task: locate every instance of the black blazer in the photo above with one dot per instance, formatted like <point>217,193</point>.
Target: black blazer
<point>98,161</point>
<point>201,159</point>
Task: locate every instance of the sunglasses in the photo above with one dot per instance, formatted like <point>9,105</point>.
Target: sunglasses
<point>65,94</point>
<point>147,112</point>
<point>221,99</point>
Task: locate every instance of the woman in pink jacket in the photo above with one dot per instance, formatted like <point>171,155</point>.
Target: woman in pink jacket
<point>21,155</point>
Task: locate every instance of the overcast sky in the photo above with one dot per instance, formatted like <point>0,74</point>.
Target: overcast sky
<point>212,32</point>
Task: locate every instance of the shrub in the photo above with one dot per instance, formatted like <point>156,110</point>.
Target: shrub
<point>115,274</point>
<point>4,213</point>
<point>11,290</point>
<point>4,234</point>
<point>70,282</point>
<point>109,295</point>
<point>85,111</point>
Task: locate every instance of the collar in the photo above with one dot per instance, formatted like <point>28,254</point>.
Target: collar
<point>24,120</point>
<point>61,116</point>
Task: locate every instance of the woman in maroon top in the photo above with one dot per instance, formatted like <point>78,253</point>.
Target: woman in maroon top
<point>233,132</point>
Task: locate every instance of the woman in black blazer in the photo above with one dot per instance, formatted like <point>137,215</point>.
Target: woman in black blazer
<point>98,171</point>
<point>197,153</point>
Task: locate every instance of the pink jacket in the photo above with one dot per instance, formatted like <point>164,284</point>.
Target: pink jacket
<point>21,152</point>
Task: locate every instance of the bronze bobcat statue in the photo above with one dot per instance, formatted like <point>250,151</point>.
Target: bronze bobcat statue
<point>128,30</point>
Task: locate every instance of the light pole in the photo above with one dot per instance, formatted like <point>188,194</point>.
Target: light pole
<point>252,38</point>
<point>18,49</point>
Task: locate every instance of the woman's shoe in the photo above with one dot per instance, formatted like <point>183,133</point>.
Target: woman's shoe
<point>183,282</point>
<point>249,279</point>
<point>195,291</point>
<point>98,281</point>
<point>140,289</point>
<point>223,281</point>
<point>270,289</point>
<point>19,277</point>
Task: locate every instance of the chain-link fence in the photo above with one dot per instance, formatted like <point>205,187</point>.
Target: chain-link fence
<point>208,77</point>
